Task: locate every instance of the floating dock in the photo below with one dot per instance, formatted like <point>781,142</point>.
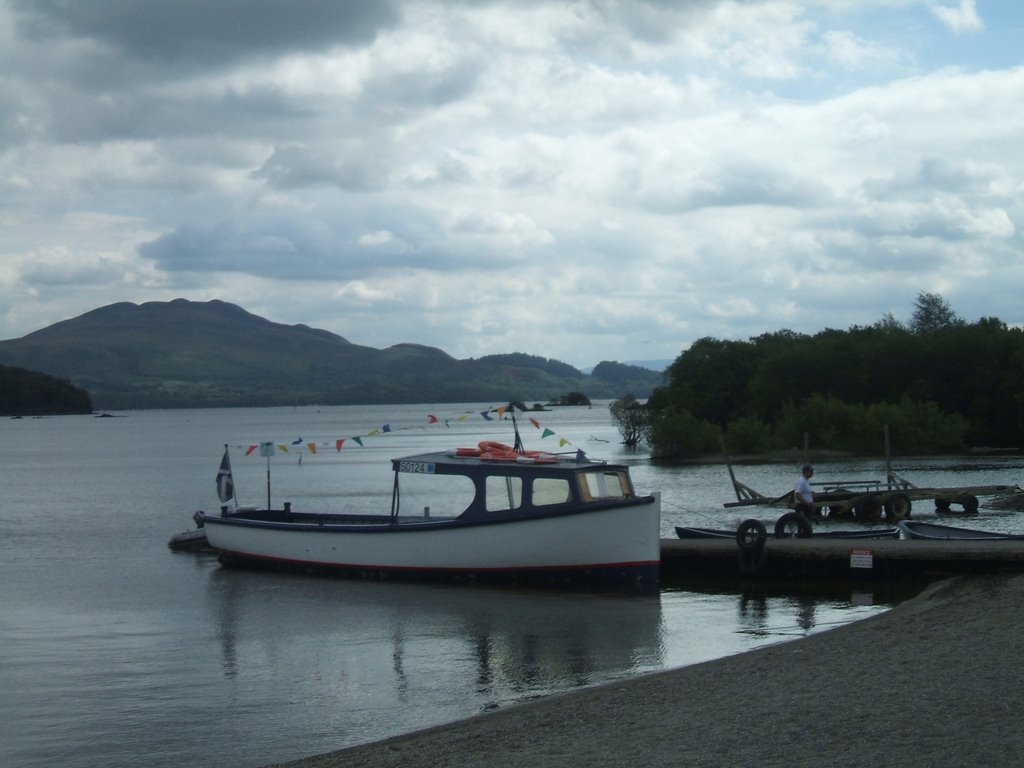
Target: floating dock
<point>811,558</point>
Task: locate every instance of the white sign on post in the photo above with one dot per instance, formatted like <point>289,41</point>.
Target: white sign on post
<point>862,558</point>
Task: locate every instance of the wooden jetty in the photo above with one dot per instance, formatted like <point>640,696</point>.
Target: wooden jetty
<point>875,559</point>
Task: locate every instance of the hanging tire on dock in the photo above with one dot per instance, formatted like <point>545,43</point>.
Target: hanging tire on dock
<point>751,535</point>
<point>793,525</point>
<point>897,507</point>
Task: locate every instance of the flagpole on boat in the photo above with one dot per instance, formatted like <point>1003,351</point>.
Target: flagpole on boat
<point>267,450</point>
<point>234,494</point>
<point>517,446</point>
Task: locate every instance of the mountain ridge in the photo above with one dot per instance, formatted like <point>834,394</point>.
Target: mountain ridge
<point>183,353</point>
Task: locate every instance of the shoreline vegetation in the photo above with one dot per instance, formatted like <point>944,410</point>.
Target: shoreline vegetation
<point>938,383</point>
<point>798,456</point>
<point>29,393</point>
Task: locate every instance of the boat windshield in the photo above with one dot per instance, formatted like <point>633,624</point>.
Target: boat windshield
<point>606,484</point>
<point>435,496</point>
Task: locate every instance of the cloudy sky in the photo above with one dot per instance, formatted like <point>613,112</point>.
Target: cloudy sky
<point>578,180</point>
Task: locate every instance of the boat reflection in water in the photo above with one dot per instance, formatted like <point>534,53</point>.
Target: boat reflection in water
<point>321,664</point>
<point>367,659</point>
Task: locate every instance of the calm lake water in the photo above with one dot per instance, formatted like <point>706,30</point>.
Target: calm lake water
<point>115,651</point>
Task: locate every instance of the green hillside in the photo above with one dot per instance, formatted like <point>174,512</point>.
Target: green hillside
<point>195,354</point>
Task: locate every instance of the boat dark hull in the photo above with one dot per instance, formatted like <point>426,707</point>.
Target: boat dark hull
<point>686,532</point>
<point>636,578</point>
<point>934,531</point>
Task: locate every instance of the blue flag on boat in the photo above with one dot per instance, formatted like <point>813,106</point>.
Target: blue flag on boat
<point>225,482</point>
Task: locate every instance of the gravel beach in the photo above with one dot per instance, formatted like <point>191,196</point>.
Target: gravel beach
<point>937,681</point>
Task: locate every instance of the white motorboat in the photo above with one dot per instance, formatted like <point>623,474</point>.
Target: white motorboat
<point>490,512</point>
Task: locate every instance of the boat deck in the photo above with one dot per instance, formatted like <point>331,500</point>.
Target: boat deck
<point>871,559</point>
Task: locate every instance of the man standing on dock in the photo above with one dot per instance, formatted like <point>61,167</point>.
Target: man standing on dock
<point>803,496</point>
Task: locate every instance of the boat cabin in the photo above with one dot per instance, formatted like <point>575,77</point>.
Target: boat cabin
<point>444,486</point>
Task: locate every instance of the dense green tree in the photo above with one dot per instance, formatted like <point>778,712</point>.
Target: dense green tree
<point>748,435</point>
<point>939,383</point>
<point>711,378</point>
<point>933,313</point>
<point>632,419</point>
<point>24,392</point>
<point>678,434</point>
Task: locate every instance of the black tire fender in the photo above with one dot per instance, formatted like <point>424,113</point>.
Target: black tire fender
<point>793,525</point>
<point>751,535</point>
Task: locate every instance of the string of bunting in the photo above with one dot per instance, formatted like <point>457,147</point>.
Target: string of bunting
<point>338,443</point>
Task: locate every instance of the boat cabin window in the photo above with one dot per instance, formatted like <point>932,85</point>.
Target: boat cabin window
<point>435,496</point>
<point>610,484</point>
<point>503,493</point>
<point>550,490</point>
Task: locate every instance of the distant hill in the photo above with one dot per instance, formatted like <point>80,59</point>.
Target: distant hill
<point>204,354</point>
<point>651,365</point>
<point>30,393</point>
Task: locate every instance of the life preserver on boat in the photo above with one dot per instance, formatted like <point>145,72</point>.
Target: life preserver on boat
<point>494,451</point>
<point>537,457</point>
<point>499,456</point>
<point>468,451</point>
<point>490,446</point>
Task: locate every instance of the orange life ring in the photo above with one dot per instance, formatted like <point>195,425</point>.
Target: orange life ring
<point>499,456</point>
<point>538,457</point>
<point>489,446</point>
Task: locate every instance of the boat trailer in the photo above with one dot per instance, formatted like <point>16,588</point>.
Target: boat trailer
<point>874,501</point>
<point>871,501</point>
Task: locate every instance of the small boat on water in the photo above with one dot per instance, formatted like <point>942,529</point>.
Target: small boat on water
<point>194,540</point>
<point>490,512</point>
<point>189,541</point>
<point>687,532</point>
<point>913,529</point>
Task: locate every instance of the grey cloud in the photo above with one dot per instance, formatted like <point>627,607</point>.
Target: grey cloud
<point>208,31</point>
<point>273,251</point>
<point>417,89</point>
<point>729,185</point>
<point>297,166</point>
<point>932,174</point>
<point>322,245</point>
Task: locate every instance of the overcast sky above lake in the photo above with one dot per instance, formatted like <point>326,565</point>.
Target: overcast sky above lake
<point>579,180</point>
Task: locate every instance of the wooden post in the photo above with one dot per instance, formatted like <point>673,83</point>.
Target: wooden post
<point>888,464</point>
